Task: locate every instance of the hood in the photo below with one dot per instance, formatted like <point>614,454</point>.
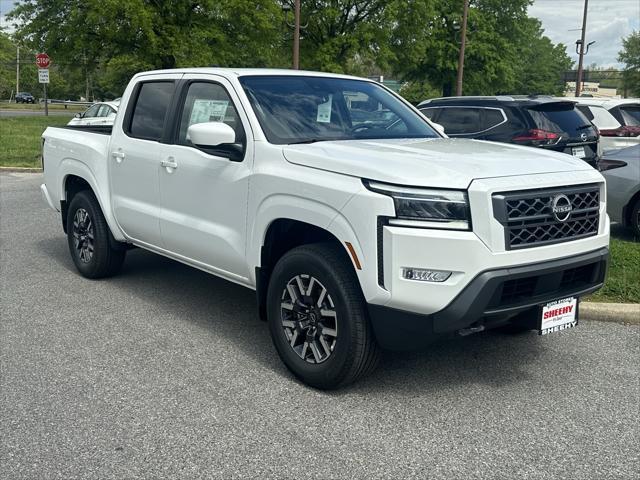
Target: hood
<point>442,162</point>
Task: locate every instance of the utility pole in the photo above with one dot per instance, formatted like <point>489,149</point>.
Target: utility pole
<point>296,35</point>
<point>18,71</point>
<point>463,41</point>
<point>581,53</point>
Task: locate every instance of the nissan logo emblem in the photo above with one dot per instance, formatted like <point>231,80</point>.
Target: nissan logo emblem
<point>583,136</point>
<point>561,207</point>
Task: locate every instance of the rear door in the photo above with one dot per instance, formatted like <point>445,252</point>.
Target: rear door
<point>204,191</point>
<point>134,158</point>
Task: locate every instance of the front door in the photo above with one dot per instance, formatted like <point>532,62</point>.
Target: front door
<point>204,191</point>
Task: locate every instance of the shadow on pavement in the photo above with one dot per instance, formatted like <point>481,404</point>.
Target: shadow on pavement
<point>228,309</point>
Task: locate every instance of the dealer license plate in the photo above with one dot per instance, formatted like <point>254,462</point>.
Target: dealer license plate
<point>558,315</point>
<point>578,152</point>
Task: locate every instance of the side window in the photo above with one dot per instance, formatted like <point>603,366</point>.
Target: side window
<point>430,113</point>
<point>208,102</point>
<point>104,111</point>
<point>151,107</point>
<point>92,111</point>
<point>460,120</point>
<point>492,117</point>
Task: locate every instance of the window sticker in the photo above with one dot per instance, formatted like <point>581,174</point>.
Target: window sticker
<point>324,111</point>
<point>204,111</point>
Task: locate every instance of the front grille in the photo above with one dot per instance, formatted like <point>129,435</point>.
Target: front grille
<point>557,283</point>
<point>516,290</point>
<point>530,221</point>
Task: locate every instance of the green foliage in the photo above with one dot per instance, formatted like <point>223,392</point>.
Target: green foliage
<point>630,56</point>
<point>416,91</point>
<point>21,142</point>
<point>505,52</point>
<point>103,42</point>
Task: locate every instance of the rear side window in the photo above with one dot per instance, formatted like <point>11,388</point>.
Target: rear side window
<point>152,103</point>
<point>560,118</point>
<point>460,120</point>
<point>430,112</point>
<point>631,115</point>
<point>492,117</point>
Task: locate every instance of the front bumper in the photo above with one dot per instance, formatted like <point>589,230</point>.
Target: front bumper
<point>493,297</point>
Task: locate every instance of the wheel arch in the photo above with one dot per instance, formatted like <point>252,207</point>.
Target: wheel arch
<point>282,234</point>
<point>76,176</point>
<point>628,209</point>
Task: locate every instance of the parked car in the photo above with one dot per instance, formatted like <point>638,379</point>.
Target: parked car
<point>626,110</point>
<point>621,169</point>
<point>613,134</point>
<point>102,113</point>
<point>541,122</point>
<point>25,97</point>
<point>356,235</point>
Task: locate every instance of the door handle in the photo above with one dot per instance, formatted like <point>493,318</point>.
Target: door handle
<point>169,163</point>
<point>119,156</point>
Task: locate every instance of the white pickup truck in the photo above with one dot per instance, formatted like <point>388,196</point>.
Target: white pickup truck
<point>358,223</point>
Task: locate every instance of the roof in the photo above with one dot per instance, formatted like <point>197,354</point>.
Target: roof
<point>245,72</point>
<point>497,99</point>
<point>607,102</point>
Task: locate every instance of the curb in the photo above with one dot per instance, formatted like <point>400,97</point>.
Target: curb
<point>20,170</point>
<point>627,313</point>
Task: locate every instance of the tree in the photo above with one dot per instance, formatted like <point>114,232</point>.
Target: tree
<point>343,35</point>
<point>540,65</point>
<point>107,41</point>
<point>630,56</point>
<point>506,51</point>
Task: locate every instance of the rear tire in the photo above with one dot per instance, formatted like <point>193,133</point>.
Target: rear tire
<point>93,249</point>
<point>318,317</point>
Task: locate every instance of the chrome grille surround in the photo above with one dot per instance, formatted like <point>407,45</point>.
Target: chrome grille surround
<point>529,220</point>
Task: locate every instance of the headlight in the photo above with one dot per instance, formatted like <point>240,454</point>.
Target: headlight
<point>425,207</point>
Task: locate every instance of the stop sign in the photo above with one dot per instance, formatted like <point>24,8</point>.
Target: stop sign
<point>42,60</point>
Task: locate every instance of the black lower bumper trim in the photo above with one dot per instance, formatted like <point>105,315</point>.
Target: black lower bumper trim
<point>485,299</point>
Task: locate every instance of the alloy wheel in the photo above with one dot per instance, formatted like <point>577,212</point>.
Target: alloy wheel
<point>83,236</point>
<point>309,318</point>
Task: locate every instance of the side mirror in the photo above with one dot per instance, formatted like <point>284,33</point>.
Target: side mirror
<point>438,127</point>
<point>211,134</point>
<point>78,115</point>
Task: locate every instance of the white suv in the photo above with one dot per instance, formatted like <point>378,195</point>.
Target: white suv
<point>356,222</point>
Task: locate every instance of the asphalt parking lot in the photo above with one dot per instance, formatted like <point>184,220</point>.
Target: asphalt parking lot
<point>166,372</point>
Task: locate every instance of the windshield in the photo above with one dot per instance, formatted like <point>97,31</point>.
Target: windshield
<point>301,109</point>
<point>561,117</point>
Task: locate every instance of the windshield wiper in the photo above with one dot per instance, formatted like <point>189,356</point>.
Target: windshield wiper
<point>582,127</point>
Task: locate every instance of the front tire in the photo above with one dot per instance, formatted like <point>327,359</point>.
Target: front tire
<point>635,219</point>
<point>318,318</point>
<point>91,244</point>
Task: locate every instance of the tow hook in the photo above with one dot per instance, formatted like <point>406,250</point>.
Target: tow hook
<point>463,332</point>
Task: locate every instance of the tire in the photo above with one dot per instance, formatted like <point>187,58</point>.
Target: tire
<point>634,221</point>
<point>93,249</point>
<point>334,325</point>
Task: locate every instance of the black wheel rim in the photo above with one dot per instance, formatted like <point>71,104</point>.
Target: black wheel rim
<point>309,319</point>
<point>83,237</point>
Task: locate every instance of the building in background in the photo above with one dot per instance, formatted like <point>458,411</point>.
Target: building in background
<point>591,89</point>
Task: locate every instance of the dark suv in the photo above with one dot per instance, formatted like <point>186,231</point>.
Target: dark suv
<point>25,97</point>
<point>542,122</point>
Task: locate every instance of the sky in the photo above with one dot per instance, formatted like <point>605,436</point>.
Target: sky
<point>607,22</point>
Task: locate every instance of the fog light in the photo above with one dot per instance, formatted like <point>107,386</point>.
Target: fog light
<point>424,275</point>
